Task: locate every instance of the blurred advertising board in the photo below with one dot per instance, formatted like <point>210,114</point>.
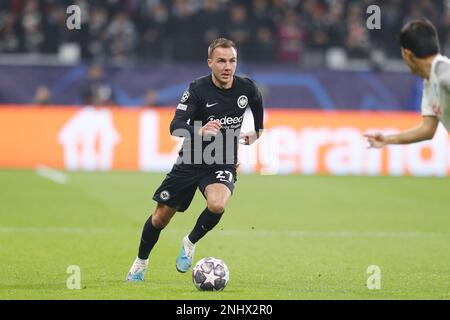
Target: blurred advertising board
<point>294,142</point>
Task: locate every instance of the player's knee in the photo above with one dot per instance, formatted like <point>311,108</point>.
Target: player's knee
<point>160,218</point>
<point>216,206</point>
<point>159,222</point>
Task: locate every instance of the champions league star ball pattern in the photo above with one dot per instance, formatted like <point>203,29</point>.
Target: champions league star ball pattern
<point>210,274</point>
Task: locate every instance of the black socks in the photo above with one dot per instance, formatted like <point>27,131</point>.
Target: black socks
<point>205,222</point>
<point>149,237</point>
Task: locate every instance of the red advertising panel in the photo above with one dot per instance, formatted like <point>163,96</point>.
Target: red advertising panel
<point>302,142</point>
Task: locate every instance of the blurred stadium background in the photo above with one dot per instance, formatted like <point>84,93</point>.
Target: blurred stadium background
<point>101,99</point>
<point>147,48</point>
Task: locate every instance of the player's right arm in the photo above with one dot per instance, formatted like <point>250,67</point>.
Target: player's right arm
<point>424,131</point>
<point>182,126</point>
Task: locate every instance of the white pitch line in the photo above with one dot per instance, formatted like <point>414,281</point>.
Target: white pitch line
<point>257,233</point>
<point>52,174</point>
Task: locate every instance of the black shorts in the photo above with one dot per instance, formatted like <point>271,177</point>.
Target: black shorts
<point>178,189</point>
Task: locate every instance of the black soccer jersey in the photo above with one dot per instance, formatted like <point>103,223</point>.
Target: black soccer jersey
<point>202,102</point>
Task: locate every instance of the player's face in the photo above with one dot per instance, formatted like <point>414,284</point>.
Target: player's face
<point>223,63</point>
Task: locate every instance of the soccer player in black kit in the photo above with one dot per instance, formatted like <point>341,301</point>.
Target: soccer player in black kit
<point>209,117</point>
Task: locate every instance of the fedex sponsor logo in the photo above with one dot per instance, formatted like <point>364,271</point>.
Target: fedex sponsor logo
<point>229,122</point>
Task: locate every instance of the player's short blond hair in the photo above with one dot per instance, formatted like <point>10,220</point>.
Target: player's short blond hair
<point>220,43</point>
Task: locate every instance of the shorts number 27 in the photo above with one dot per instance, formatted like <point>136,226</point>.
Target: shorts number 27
<point>224,175</point>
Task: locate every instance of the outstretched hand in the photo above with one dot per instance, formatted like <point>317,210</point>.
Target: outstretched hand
<point>376,140</point>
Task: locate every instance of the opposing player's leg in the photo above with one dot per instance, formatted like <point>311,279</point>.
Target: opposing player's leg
<point>150,235</point>
<point>217,190</point>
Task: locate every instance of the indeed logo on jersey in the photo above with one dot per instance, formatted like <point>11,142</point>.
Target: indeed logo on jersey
<point>228,122</point>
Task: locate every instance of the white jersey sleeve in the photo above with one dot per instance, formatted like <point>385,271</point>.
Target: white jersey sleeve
<point>426,107</point>
<point>436,91</point>
<point>443,75</point>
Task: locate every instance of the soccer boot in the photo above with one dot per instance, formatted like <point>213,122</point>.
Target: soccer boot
<point>137,271</point>
<point>184,259</point>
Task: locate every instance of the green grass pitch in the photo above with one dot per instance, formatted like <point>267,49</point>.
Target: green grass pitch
<point>282,237</point>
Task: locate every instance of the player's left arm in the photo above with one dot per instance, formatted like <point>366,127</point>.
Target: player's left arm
<point>256,106</point>
<point>424,131</point>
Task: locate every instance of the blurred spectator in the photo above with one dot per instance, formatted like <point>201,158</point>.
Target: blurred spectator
<point>121,30</point>
<point>185,41</point>
<point>290,38</point>
<point>211,20</point>
<point>261,15</point>
<point>317,25</point>
<point>42,96</point>
<point>264,45</point>
<point>430,9</point>
<point>97,91</point>
<point>336,30</point>
<point>9,39</point>
<point>238,28</point>
<point>31,23</point>
<point>154,27</point>
<point>357,40</point>
<point>121,38</point>
<point>391,17</point>
<point>97,27</point>
<point>55,29</point>
<point>278,10</point>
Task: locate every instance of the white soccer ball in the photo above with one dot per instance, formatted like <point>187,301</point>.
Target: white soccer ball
<point>210,274</point>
